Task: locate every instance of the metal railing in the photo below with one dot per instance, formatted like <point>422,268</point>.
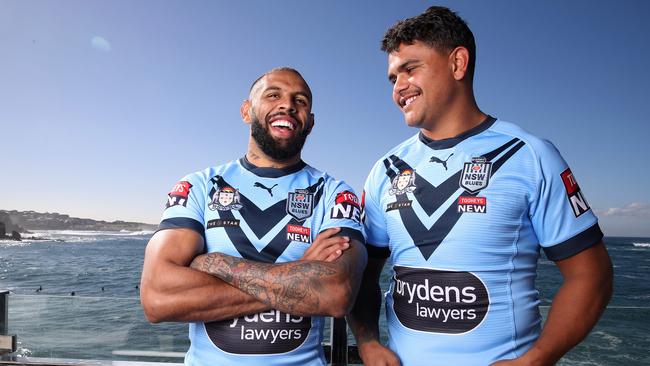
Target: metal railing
<point>56,331</point>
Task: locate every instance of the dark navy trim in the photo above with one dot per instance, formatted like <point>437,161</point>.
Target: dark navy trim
<point>271,172</point>
<point>453,141</point>
<point>377,252</point>
<point>575,245</point>
<point>182,223</point>
<point>353,234</point>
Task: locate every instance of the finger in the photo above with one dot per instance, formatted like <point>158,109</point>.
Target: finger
<point>335,255</point>
<point>328,233</point>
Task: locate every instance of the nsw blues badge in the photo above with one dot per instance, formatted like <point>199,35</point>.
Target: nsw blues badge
<point>300,204</point>
<point>476,175</point>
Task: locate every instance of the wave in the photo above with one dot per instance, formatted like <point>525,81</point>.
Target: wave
<point>641,245</point>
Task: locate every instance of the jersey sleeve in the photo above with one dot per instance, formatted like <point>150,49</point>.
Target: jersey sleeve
<point>342,210</point>
<point>185,205</point>
<point>374,223</point>
<point>562,219</point>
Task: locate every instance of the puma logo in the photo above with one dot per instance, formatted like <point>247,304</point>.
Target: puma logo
<point>260,185</point>
<point>443,162</point>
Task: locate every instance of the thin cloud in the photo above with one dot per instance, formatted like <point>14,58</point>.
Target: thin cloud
<point>100,44</point>
<point>635,209</point>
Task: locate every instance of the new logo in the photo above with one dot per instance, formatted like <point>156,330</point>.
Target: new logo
<point>179,194</point>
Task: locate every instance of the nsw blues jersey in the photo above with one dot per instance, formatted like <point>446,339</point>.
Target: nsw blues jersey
<point>266,215</point>
<point>464,219</point>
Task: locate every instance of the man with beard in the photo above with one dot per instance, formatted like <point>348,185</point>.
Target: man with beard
<point>483,197</point>
<point>254,252</point>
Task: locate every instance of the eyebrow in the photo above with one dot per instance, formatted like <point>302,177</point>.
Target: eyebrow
<point>276,88</point>
<point>403,66</point>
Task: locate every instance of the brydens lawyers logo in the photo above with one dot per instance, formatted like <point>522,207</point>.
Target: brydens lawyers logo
<point>179,194</point>
<point>577,200</point>
<point>346,206</point>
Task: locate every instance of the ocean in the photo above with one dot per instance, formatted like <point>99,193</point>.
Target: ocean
<point>103,319</point>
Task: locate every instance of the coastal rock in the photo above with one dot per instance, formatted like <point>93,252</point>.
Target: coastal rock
<point>21,221</point>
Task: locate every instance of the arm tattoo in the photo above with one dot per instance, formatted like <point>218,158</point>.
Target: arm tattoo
<point>293,287</point>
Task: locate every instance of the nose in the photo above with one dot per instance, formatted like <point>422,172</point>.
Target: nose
<point>401,84</point>
<point>288,104</point>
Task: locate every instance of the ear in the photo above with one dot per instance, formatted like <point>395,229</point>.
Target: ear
<point>459,61</point>
<point>310,123</point>
<point>245,111</point>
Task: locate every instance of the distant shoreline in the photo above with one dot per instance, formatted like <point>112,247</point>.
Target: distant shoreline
<point>24,221</point>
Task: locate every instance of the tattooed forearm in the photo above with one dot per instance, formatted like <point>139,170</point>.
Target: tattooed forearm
<point>294,287</point>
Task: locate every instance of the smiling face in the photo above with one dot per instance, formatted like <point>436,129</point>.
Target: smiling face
<point>279,110</point>
<point>423,81</point>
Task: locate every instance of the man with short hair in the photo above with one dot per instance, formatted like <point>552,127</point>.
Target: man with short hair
<point>281,243</point>
<point>464,238</point>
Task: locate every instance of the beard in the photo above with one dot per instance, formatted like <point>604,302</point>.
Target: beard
<point>277,150</point>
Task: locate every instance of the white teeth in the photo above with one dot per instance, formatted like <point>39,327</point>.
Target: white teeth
<point>282,123</point>
<point>410,100</point>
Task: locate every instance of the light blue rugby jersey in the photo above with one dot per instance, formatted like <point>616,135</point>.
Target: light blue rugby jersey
<point>267,215</point>
<point>464,219</point>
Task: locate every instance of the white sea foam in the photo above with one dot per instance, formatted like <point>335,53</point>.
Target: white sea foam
<point>641,245</point>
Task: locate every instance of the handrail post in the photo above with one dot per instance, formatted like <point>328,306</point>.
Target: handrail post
<point>7,342</point>
<point>339,339</point>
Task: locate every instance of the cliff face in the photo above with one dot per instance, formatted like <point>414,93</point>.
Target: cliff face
<point>22,221</point>
<point>9,224</point>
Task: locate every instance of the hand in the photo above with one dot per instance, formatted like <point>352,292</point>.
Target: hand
<point>374,354</point>
<point>327,247</point>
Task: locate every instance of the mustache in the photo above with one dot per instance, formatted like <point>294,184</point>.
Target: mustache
<point>270,116</point>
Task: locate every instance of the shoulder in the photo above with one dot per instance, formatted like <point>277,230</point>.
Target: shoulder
<point>538,147</point>
<point>379,167</point>
<point>203,176</point>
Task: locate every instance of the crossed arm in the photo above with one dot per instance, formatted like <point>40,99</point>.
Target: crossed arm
<point>300,288</point>
<point>172,291</point>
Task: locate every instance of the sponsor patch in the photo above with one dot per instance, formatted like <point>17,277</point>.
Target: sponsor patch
<point>222,223</point>
<point>225,199</point>
<point>270,332</point>
<point>475,175</point>
<point>300,204</point>
<point>472,204</point>
<point>346,206</point>
<point>403,183</point>
<point>576,198</point>
<point>179,194</point>
<point>398,205</point>
<point>438,301</point>
<point>298,233</point>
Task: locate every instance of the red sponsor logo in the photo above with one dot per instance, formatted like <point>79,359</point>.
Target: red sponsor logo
<point>181,189</point>
<point>570,183</point>
<point>297,229</point>
<point>481,201</point>
<point>347,197</point>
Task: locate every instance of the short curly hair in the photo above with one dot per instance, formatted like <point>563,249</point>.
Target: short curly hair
<point>438,27</point>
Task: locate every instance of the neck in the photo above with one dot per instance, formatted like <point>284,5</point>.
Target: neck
<point>257,157</point>
<point>462,116</point>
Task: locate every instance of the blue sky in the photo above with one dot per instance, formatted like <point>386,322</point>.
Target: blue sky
<point>104,105</point>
